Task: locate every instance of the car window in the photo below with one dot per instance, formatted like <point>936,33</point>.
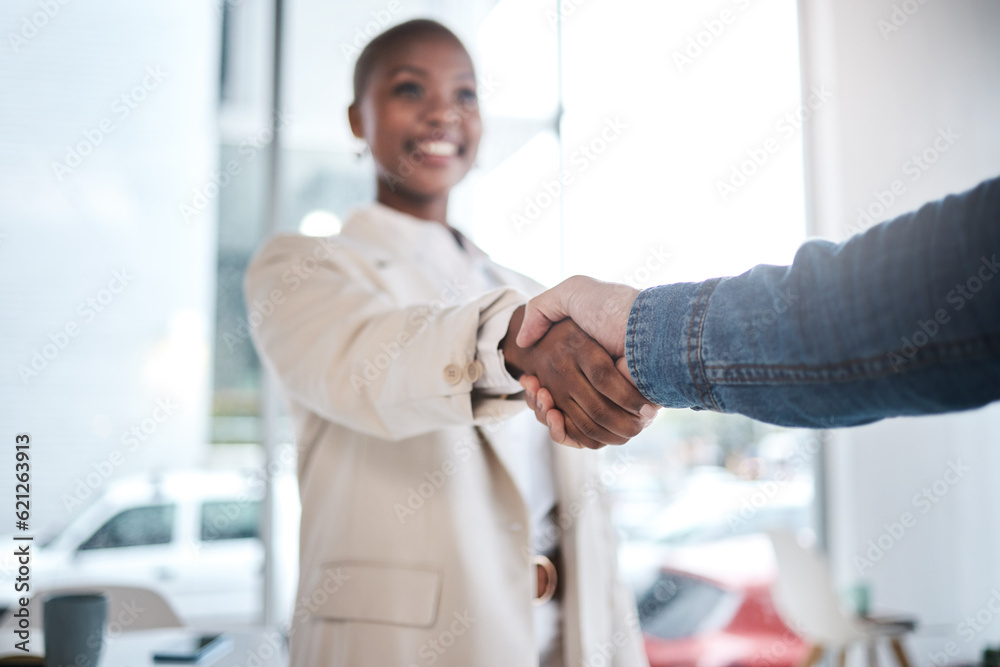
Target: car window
<point>229,520</point>
<point>138,526</point>
<point>677,606</point>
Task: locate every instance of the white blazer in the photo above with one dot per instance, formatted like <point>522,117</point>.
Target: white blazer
<point>415,544</point>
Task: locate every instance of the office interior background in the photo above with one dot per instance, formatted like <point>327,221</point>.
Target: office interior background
<point>634,141</point>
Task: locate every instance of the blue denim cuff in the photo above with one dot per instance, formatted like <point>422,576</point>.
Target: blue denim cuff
<point>662,344</point>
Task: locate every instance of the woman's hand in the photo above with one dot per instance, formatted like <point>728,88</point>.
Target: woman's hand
<point>597,405</point>
<point>540,401</point>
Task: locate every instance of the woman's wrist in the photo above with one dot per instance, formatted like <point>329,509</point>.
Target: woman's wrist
<point>515,357</point>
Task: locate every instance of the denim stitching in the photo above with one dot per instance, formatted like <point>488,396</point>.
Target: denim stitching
<point>635,361</point>
<point>714,404</point>
<point>691,366</point>
<point>828,372</point>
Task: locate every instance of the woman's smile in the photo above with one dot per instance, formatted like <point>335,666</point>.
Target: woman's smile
<point>420,116</point>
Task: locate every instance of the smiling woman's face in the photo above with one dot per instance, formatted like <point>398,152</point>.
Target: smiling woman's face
<point>420,116</point>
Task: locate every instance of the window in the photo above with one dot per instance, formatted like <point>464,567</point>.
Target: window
<point>678,606</point>
<point>606,154</point>
<point>137,527</point>
<point>230,520</point>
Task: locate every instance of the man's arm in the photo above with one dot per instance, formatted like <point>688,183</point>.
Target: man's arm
<point>903,319</point>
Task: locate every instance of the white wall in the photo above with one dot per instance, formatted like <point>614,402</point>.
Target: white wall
<point>130,88</point>
<point>894,91</point>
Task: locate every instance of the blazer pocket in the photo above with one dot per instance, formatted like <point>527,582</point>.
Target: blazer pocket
<point>382,593</point>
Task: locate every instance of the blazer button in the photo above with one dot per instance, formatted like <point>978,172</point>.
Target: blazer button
<point>474,371</point>
<point>452,374</point>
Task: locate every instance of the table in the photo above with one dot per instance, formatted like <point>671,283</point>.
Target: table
<point>257,646</point>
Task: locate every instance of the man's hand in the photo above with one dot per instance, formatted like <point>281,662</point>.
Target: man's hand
<point>601,309</point>
<point>598,405</point>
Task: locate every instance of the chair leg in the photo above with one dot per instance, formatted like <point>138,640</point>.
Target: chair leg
<point>815,653</point>
<point>897,649</point>
<point>842,657</point>
<point>872,653</point>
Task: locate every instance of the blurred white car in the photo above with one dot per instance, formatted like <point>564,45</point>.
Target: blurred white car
<point>194,536</point>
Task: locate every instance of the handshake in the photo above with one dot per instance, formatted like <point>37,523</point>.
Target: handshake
<point>567,348</point>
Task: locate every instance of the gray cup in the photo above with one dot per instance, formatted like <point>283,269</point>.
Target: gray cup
<point>74,629</point>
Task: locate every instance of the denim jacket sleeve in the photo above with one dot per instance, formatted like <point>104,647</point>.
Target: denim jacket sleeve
<point>903,319</point>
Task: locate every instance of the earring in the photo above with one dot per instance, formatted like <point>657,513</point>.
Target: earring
<point>361,152</point>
